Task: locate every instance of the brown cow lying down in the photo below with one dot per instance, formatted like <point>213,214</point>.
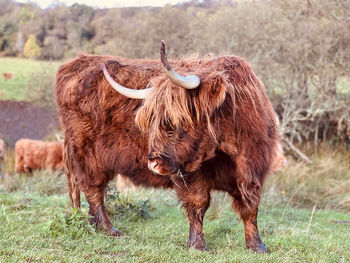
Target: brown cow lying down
<point>205,125</point>
<point>35,154</point>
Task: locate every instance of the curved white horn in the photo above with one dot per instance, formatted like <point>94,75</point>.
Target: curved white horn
<point>130,93</point>
<point>188,82</point>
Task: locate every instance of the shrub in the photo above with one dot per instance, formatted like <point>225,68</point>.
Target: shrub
<point>31,48</point>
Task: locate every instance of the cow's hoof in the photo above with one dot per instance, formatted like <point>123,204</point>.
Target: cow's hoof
<point>113,232</point>
<point>199,245</point>
<point>258,248</point>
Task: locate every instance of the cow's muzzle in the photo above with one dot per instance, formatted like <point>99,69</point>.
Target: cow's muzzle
<point>161,166</point>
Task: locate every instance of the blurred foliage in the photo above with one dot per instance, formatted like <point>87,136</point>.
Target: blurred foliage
<point>41,86</point>
<point>299,48</point>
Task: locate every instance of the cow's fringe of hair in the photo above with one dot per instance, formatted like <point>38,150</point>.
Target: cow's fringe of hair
<point>172,107</point>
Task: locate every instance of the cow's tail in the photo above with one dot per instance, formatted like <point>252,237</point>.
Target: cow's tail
<point>73,187</point>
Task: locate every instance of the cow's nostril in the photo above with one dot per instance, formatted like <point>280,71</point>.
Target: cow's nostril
<point>152,165</point>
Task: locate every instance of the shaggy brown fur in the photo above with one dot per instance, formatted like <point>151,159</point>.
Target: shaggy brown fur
<point>220,136</point>
<point>34,154</point>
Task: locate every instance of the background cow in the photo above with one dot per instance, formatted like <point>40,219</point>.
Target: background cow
<point>35,154</point>
<point>8,75</point>
<point>214,130</point>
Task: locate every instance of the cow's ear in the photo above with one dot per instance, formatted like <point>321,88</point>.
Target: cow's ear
<point>212,92</point>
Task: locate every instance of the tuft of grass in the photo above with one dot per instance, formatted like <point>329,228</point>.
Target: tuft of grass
<point>74,223</point>
<point>126,204</point>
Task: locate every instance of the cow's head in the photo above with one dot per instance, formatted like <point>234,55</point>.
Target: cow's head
<point>177,114</point>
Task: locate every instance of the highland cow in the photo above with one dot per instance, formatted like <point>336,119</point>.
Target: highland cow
<point>34,154</point>
<point>213,130</point>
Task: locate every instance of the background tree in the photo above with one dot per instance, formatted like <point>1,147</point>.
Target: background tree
<point>31,48</point>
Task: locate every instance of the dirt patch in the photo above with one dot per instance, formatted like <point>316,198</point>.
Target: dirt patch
<point>25,120</point>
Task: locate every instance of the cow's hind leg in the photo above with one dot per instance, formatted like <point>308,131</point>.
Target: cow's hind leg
<point>249,217</point>
<point>94,196</point>
<point>196,203</point>
<point>245,187</point>
<point>94,193</point>
<point>248,211</point>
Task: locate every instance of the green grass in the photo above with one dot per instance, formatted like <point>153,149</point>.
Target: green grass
<point>15,89</point>
<point>38,227</point>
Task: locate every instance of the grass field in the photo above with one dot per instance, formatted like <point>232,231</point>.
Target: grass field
<point>14,89</point>
<point>37,224</point>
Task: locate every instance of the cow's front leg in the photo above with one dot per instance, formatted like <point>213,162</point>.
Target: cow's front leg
<point>196,203</point>
<point>94,196</point>
<point>195,215</point>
